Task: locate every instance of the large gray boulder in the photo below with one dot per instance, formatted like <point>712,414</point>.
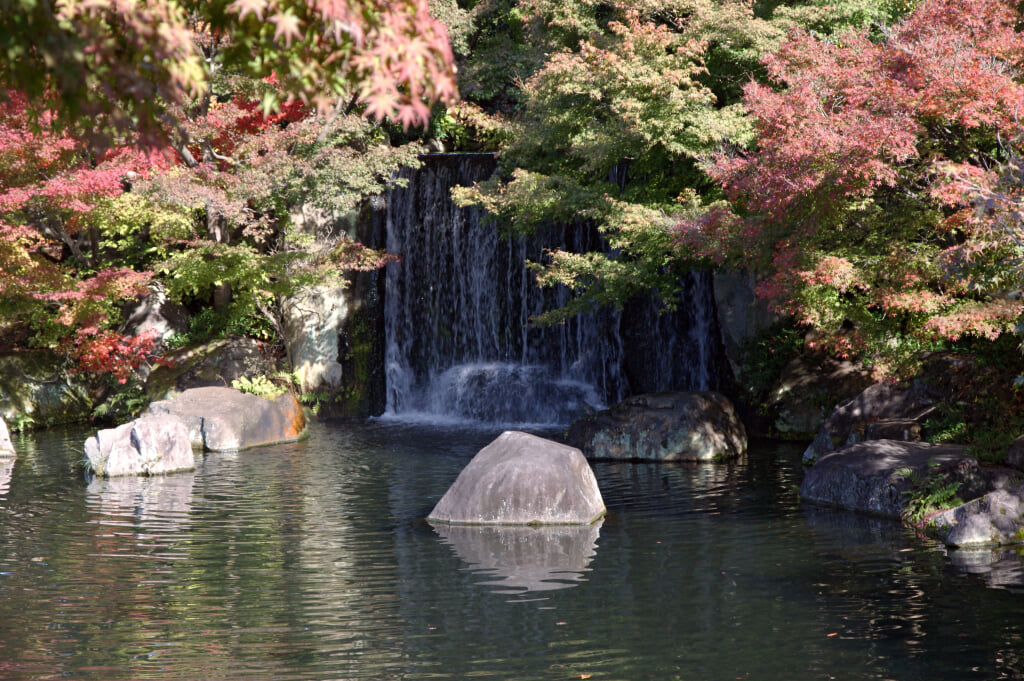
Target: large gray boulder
<point>522,479</point>
<point>669,426</point>
<point>991,520</point>
<point>150,445</point>
<point>868,476</point>
<point>6,447</point>
<point>225,419</point>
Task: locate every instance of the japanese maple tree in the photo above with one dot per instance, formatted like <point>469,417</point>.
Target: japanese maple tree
<point>114,65</point>
<point>868,195</point>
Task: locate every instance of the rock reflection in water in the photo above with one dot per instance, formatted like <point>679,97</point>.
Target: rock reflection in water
<point>524,559</point>
<point>999,566</point>
<point>166,499</point>
<point>6,471</point>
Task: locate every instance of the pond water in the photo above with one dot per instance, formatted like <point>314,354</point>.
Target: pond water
<point>312,561</point>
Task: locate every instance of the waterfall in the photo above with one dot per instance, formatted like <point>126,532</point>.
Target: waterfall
<point>458,307</point>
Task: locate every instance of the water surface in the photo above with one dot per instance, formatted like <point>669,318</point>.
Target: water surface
<point>312,561</point>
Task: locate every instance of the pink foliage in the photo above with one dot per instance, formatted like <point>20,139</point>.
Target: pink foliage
<point>841,120</point>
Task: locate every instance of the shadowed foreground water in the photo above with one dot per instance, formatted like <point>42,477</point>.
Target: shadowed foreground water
<point>312,561</point>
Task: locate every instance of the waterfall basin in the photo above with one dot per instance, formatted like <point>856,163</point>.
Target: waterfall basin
<point>312,561</point>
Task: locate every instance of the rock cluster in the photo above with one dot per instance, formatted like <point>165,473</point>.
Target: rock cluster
<point>876,477</point>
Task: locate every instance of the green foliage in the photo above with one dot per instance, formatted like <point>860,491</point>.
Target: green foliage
<point>123,402</point>
<point>948,428</point>
<point>137,231</point>
<point>261,386</point>
<point>763,358</point>
<point>930,492</point>
<point>21,423</point>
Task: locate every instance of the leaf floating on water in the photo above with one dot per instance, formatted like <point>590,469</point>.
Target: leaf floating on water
<point>834,633</point>
<point>585,676</point>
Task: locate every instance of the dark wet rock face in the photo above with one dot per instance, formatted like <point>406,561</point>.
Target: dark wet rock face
<point>522,479</point>
<point>213,364</point>
<point>669,426</point>
<point>865,476</point>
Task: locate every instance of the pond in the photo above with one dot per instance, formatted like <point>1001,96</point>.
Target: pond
<point>312,561</point>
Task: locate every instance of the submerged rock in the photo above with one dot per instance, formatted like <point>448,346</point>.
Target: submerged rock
<point>225,419</point>
<point>669,426</point>
<point>150,445</point>
<point>522,479</point>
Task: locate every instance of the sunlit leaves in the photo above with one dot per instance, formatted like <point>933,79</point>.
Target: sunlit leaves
<point>867,196</point>
<point>107,66</point>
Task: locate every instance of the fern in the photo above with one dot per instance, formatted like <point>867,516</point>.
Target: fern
<point>930,493</point>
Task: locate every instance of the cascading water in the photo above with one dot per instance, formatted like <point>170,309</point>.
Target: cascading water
<point>458,309</point>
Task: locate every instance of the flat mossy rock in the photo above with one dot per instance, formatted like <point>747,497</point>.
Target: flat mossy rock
<point>522,479</point>
<point>225,419</point>
<point>867,476</point>
<point>668,426</point>
<point>213,364</point>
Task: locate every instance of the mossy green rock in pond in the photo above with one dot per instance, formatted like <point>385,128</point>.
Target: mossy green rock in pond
<point>35,391</point>
<point>669,426</point>
<point>522,479</point>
